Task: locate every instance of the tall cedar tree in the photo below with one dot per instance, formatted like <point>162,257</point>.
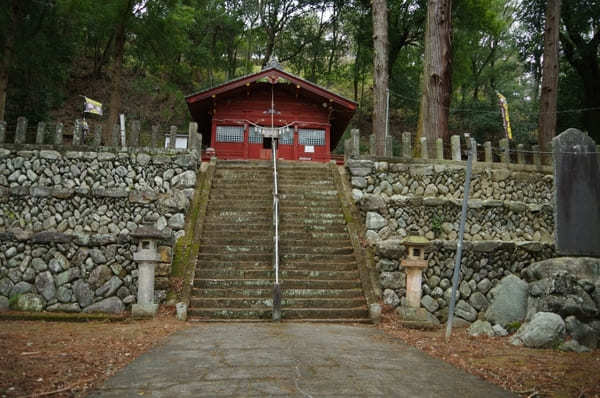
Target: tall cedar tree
<point>437,72</point>
<point>380,71</point>
<point>549,96</point>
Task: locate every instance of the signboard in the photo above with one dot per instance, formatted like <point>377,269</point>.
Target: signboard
<point>309,148</point>
<point>271,132</point>
<point>181,141</point>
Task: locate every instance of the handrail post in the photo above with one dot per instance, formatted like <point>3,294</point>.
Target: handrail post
<point>276,288</point>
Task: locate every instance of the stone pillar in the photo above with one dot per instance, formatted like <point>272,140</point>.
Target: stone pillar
<point>406,145</point>
<point>505,150</point>
<point>520,154</point>
<point>155,142</point>
<point>78,133</point>
<point>474,148</point>
<point>355,152</point>
<point>455,146</point>
<point>192,131</point>
<point>97,138</point>
<point>41,133</point>
<point>116,136</point>
<point>134,135</point>
<point>389,146</point>
<point>537,156</point>
<point>172,137</point>
<point>439,149</point>
<point>58,135</point>
<point>372,149</point>
<point>487,148</point>
<point>147,257</point>
<point>2,132</point>
<point>21,132</point>
<point>424,148</point>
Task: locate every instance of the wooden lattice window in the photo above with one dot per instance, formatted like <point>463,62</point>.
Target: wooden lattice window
<point>311,137</point>
<point>287,136</point>
<point>255,136</point>
<point>230,134</point>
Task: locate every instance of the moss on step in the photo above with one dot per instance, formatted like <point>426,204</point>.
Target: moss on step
<point>186,249</point>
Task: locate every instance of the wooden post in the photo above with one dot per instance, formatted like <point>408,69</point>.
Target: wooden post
<point>424,148</point>
<point>537,156</point>
<point>505,148</point>
<point>2,132</point>
<point>355,145</point>
<point>21,132</point>
<point>455,145</point>
<point>389,146</point>
<point>41,133</point>
<point>116,136</point>
<point>134,136</point>
<point>372,146</point>
<point>520,154</point>
<point>78,133</point>
<point>487,147</point>
<point>97,137</point>
<point>155,142</point>
<point>58,134</point>
<point>406,145</point>
<point>172,137</point>
<point>439,149</point>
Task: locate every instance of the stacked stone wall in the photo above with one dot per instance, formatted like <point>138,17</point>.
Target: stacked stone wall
<point>509,225</point>
<point>66,215</point>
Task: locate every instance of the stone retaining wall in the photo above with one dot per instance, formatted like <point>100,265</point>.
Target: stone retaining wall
<point>510,224</point>
<point>66,217</point>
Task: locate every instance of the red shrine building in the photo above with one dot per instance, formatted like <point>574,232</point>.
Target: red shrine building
<point>237,117</point>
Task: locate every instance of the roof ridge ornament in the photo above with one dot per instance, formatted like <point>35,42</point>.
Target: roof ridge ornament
<point>273,63</point>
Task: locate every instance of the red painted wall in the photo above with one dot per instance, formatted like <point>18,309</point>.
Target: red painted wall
<point>250,106</point>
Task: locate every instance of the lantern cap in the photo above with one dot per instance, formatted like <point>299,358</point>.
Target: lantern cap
<point>415,241</point>
<point>148,232</point>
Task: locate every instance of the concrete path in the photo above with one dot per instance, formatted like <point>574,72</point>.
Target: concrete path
<point>292,360</point>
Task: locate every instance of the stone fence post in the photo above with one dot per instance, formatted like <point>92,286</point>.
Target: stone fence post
<point>172,137</point>
<point>134,135</point>
<point>389,146</point>
<point>455,146</point>
<point>2,132</point>
<point>21,132</point>
<point>97,138</point>
<point>406,145</point>
<point>41,133</point>
<point>537,158</point>
<point>439,149</point>
<point>116,136</point>
<point>424,148</point>
<point>520,154</point>
<point>355,152</point>
<point>372,148</point>
<point>155,141</point>
<point>58,134</point>
<point>505,148</point>
<point>78,133</point>
<point>487,148</point>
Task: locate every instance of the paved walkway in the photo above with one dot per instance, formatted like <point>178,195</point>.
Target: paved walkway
<point>292,360</point>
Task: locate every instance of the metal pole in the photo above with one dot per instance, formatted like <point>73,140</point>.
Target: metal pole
<point>276,288</point>
<point>459,245</point>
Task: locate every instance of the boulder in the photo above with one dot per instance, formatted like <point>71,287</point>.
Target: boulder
<point>44,283</point>
<point>416,317</point>
<point>99,276</point>
<point>573,346</point>
<point>29,302</point>
<point>375,221</point>
<point>83,293</point>
<point>390,248</point>
<point>392,280</point>
<point>546,330</point>
<point>465,311</point>
<point>499,330</point>
<point>509,301</point>
<point>478,301</point>
<point>430,304</point>
<point>62,307</point>
<point>479,328</point>
<point>372,202</point>
<point>390,298</point>
<point>111,305</point>
<point>584,334</point>
<point>3,304</point>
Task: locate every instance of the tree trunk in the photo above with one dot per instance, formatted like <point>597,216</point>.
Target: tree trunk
<point>380,71</point>
<point>115,95</point>
<point>7,54</point>
<point>549,95</point>
<point>437,73</point>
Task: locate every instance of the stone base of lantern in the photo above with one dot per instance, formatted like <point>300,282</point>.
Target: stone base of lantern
<point>416,318</point>
<point>144,310</point>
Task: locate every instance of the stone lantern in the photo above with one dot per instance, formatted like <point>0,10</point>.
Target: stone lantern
<point>414,263</point>
<point>147,257</point>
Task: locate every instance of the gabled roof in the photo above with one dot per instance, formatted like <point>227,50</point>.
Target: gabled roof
<point>343,108</point>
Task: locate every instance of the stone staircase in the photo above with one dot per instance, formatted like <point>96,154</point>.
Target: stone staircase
<point>318,271</point>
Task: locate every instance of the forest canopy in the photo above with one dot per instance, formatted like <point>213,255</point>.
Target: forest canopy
<point>153,52</point>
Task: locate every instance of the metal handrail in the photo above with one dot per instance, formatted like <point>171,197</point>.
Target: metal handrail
<point>276,289</point>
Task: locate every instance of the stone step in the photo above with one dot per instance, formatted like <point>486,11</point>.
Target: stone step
<point>214,273</point>
<point>285,249</point>
<point>268,292</point>
<point>285,284</point>
<point>264,240</point>
<point>267,302</point>
<point>266,313</point>
<point>298,265</point>
<point>265,257</point>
